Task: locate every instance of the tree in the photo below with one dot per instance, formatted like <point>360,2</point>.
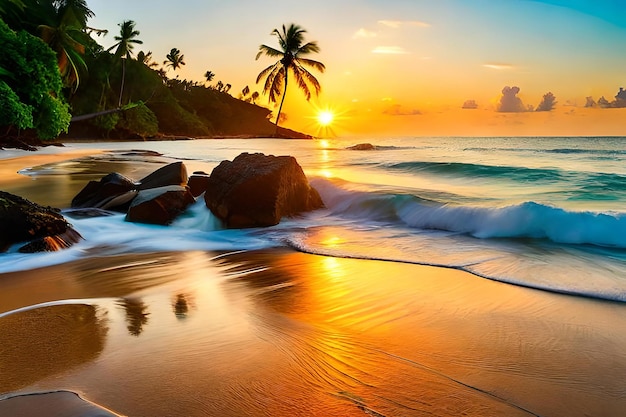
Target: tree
<point>124,48</point>
<point>30,86</point>
<point>245,92</point>
<point>146,59</point>
<point>64,31</point>
<point>209,75</point>
<point>174,59</point>
<point>291,52</point>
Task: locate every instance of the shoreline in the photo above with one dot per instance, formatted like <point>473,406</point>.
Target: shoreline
<point>497,349</point>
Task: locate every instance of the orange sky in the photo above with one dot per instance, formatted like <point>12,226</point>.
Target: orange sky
<point>405,67</point>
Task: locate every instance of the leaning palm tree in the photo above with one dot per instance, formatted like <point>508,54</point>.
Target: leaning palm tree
<point>174,59</point>
<point>124,47</point>
<point>292,48</point>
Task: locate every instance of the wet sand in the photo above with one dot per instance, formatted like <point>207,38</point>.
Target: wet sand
<point>282,333</point>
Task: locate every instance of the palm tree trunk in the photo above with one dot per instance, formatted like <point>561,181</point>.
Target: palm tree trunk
<point>119,104</point>
<point>280,108</point>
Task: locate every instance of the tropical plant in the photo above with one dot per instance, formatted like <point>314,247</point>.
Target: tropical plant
<point>64,32</point>
<point>146,59</point>
<point>209,75</point>
<point>30,86</point>
<point>291,52</point>
<point>124,48</point>
<point>174,59</point>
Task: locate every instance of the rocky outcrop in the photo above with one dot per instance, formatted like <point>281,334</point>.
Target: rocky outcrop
<point>362,147</point>
<point>159,205</point>
<point>106,193</point>
<point>24,221</point>
<point>255,190</point>
<point>119,193</point>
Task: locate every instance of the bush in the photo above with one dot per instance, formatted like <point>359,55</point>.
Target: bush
<point>31,85</point>
<point>140,120</point>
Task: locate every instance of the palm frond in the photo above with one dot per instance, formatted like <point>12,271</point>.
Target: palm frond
<point>269,51</point>
<point>309,48</point>
<point>311,63</point>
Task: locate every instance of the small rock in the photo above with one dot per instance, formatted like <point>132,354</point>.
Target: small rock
<point>159,205</point>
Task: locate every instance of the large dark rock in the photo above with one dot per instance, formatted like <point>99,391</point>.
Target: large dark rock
<point>256,190</point>
<point>171,174</point>
<point>24,221</point>
<point>159,205</point>
<point>103,193</point>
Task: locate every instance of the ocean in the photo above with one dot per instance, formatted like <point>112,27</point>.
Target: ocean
<point>542,212</point>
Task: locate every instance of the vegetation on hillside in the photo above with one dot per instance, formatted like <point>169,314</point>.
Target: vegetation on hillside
<point>53,70</point>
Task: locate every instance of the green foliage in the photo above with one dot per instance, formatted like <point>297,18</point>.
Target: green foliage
<point>12,111</point>
<point>106,122</point>
<point>141,120</point>
<point>35,83</point>
<point>53,117</point>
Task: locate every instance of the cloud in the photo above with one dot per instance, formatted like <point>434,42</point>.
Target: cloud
<point>398,110</point>
<point>498,67</point>
<point>395,24</point>
<point>509,102</point>
<point>364,33</point>
<point>547,103</point>
<point>470,104</point>
<point>390,50</point>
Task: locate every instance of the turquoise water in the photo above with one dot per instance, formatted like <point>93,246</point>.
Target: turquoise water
<point>546,213</point>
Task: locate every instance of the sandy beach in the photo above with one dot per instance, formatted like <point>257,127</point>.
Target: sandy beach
<point>276,332</point>
<point>284,333</point>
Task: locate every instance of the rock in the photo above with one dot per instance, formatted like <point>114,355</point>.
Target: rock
<point>171,174</point>
<point>24,221</point>
<point>198,182</point>
<point>362,147</point>
<point>52,243</point>
<point>100,193</point>
<point>159,205</point>
<point>255,190</point>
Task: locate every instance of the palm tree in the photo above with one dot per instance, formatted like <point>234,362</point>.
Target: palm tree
<point>124,47</point>
<point>209,75</point>
<point>174,59</point>
<point>292,48</point>
<point>146,59</point>
<point>65,33</point>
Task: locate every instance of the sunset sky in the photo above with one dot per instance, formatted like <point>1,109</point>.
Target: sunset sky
<point>406,67</point>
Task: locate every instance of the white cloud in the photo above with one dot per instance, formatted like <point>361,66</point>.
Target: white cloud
<point>390,50</point>
<point>398,23</point>
<point>498,67</point>
<point>364,33</point>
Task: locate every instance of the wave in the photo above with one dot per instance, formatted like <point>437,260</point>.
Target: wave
<point>573,151</point>
<point>582,182</point>
<point>528,220</point>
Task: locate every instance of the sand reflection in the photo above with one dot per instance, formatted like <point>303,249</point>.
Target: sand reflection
<point>42,342</point>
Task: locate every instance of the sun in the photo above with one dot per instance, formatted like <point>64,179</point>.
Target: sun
<point>325,117</point>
